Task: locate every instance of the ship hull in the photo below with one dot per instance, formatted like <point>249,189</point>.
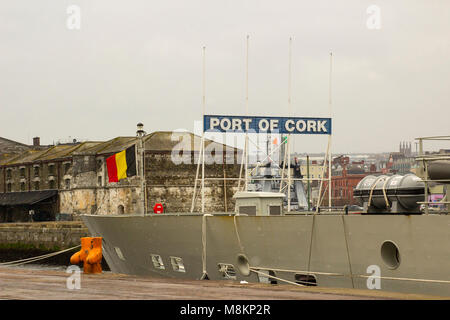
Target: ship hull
<point>350,251</point>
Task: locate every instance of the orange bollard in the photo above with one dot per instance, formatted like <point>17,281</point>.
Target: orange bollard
<point>90,254</point>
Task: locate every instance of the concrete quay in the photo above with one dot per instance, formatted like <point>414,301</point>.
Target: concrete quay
<point>43,284</point>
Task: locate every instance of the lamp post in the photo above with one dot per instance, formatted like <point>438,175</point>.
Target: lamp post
<point>140,133</point>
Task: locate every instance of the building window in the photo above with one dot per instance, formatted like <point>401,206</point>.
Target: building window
<point>67,181</point>
<point>99,180</point>
<point>22,186</point>
<point>51,169</point>
<point>99,165</point>
<point>9,187</point>
<point>36,171</point>
<point>8,173</point>
<point>66,168</point>
<point>274,210</point>
<point>36,185</point>
<point>250,210</point>
<point>51,184</point>
<point>22,172</point>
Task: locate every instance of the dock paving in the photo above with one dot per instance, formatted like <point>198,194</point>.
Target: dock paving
<point>38,284</point>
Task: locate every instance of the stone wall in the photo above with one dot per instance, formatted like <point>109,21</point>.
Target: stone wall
<point>100,200</point>
<point>173,184</point>
<point>44,235</point>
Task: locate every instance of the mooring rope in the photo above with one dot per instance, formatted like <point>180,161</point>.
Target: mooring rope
<point>237,235</point>
<point>37,258</point>
<point>348,251</point>
<point>311,239</point>
<point>350,275</point>
<point>274,277</point>
<point>204,273</point>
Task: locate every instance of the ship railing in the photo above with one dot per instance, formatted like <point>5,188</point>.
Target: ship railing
<point>256,178</point>
<point>424,161</point>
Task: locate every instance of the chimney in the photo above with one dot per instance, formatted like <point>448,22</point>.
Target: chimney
<point>36,142</point>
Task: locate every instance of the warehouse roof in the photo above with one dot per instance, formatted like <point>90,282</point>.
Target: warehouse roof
<point>159,141</point>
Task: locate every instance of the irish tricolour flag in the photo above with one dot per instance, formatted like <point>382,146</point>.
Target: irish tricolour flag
<point>122,165</point>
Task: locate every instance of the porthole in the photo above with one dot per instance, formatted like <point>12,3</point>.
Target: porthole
<point>242,264</point>
<point>390,254</point>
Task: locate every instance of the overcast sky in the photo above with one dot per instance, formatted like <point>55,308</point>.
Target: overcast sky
<point>141,61</point>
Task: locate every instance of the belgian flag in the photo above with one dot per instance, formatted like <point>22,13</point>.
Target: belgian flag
<point>122,165</point>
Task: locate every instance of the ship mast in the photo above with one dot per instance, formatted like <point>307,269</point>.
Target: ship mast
<point>246,114</point>
<point>327,154</point>
<point>245,152</point>
<point>203,134</point>
<point>201,158</point>
<point>289,136</point>
<point>329,137</point>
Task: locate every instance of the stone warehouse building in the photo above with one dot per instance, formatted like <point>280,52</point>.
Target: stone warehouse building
<point>73,179</point>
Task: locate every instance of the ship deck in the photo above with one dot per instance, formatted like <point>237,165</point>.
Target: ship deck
<point>38,284</point>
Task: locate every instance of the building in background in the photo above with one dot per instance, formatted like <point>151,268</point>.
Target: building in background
<point>401,162</point>
<point>345,175</point>
<point>72,178</point>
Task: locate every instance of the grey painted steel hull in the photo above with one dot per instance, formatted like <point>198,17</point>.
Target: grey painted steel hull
<point>282,244</point>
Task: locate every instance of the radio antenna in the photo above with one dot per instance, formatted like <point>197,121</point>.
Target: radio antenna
<point>290,114</point>
<point>329,137</point>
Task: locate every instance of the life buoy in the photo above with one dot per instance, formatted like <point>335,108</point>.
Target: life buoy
<point>158,208</point>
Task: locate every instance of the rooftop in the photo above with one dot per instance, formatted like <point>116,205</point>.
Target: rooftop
<point>160,141</point>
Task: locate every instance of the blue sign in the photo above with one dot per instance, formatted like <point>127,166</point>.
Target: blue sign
<point>282,125</point>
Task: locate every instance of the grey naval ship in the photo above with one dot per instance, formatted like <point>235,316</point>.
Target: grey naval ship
<point>398,242</point>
